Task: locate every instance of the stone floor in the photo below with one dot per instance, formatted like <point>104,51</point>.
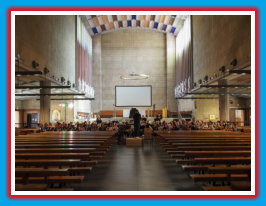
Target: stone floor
<point>146,168</point>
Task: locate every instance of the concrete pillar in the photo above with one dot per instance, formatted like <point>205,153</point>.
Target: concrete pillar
<point>223,102</point>
<point>171,102</point>
<point>45,103</point>
<point>97,104</point>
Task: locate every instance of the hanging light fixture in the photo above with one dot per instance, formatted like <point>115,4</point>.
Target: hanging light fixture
<point>134,76</point>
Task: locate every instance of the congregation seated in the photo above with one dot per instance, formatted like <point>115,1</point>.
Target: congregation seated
<point>156,125</point>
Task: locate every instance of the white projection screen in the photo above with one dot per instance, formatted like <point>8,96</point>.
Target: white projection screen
<point>133,96</point>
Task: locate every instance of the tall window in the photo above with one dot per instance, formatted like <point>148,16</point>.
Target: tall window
<point>84,60</point>
<point>184,59</point>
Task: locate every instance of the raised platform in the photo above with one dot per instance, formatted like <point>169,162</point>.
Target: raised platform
<point>125,119</point>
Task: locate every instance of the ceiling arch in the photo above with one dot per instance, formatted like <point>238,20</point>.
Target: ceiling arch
<point>99,24</point>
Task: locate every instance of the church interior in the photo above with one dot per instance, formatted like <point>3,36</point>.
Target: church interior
<point>132,102</point>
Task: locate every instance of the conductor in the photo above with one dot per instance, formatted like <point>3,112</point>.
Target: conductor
<point>136,118</point>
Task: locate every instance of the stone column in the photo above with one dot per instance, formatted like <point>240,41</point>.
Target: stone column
<point>45,103</point>
<point>97,104</point>
<point>171,102</point>
<point>223,101</point>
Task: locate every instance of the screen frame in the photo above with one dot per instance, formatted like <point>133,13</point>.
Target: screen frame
<point>133,86</point>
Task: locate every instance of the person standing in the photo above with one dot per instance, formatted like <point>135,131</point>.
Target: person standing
<point>136,118</point>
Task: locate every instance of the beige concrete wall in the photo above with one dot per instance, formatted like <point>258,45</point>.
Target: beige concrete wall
<point>186,105</point>
<point>206,107</point>
<point>239,102</point>
<point>127,51</point>
<point>217,40</point>
<point>18,104</point>
<point>50,40</point>
<point>30,104</point>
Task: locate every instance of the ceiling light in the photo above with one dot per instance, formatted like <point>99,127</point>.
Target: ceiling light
<point>133,76</point>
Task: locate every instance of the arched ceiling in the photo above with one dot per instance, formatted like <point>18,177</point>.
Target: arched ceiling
<point>98,24</point>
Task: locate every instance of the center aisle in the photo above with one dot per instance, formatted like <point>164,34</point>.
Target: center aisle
<point>146,168</point>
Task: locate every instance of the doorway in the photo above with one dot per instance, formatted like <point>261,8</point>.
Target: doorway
<point>32,120</point>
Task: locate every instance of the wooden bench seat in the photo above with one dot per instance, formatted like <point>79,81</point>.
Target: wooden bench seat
<point>52,179</point>
<point>215,160</point>
<point>209,140</point>
<point>74,170</point>
<point>51,155</point>
<point>172,152</point>
<point>30,187</point>
<point>178,156</point>
<point>219,177</point>
<point>217,188</point>
<point>56,150</point>
<point>243,169</point>
<point>60,189</point>
<point>30,180</point>
<point>189,168</point>
<point>34,145</point>
<point>213,144</point>
<point>54,162</point>
<point>213,148</point>
<point>223,160</point>
<point>241,186</point>
<point>65,179</point>
<point>38,172</point>
<point>217,153</point>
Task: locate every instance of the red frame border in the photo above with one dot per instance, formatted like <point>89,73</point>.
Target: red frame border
<point>133,9</point>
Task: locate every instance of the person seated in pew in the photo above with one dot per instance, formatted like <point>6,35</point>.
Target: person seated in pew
<point>70,127</point>
<point>110,126</point>
<point>194,126</point>
<point>84,126</point>
<point>176,125</point>
<point>94,126</point>
<point>39,128</point>
<point>64,126</point>
<point>143,118</point>
<point>98,119</point>
<point>88,126</point>
<point>45,127</point>
<point>102,127</point>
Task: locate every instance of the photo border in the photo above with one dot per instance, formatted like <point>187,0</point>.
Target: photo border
<point>66,196</point>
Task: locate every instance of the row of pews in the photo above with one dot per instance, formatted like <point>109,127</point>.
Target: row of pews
<point>55,161</point>
<point>219,160</point>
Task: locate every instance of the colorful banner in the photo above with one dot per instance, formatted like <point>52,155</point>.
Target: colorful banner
<point>84,60</point>
<point>184,64</point>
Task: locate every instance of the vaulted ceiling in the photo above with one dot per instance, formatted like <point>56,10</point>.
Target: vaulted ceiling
<point>98,24</point>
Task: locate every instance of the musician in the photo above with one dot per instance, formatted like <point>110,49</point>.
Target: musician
<point>136,119</point>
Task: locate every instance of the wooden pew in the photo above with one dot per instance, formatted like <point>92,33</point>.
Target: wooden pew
<point>217,153</point>
<point>31,187</point>
<point>54,162</point>
<point>51,155</point>
<point>240,169</point>
<point>216,160</point>
<point>211,148</point>
<point>74,152</point>
<point>219,177</point>
<point>38,172</point>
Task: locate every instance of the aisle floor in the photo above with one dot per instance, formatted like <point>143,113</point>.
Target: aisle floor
<point>146,168</point>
